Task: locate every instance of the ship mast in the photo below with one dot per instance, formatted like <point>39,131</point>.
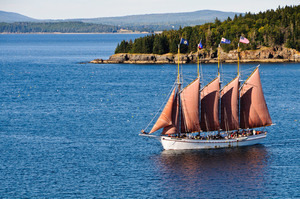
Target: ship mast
<point>219,100</point>
<point>178,90</point>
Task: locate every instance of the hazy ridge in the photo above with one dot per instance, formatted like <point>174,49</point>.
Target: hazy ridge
<point>145,22</point>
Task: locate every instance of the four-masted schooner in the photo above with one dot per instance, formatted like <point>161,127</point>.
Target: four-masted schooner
<point>211,117</point>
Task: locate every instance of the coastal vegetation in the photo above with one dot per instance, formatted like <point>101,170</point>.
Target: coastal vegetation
<point>280,27</point>
<point>142,23</point>
<point>50,27</point>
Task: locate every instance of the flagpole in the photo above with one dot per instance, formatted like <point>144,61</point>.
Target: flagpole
<point>238,72</point>
<point>198,63</point>
<point>178,77</point>
<point>219,60</point>
<point>198,51</point>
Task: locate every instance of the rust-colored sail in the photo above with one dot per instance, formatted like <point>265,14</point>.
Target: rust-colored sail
<point>166,118</point>
<point>190,107</point>
<point>174,127</point>
<point>209,106</point>
<point>253,110</point>
<point>230,106</point>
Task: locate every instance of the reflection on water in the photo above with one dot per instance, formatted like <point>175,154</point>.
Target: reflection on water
<point>232,171</point>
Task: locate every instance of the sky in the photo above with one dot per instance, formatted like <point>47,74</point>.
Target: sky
<point>67,9</point>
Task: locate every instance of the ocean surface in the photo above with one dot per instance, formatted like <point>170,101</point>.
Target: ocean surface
<point>70,130</point>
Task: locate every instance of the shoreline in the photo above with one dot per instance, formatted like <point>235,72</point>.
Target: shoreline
<point>263,55</point>
<point>99,61</point>
<point>54,33</point>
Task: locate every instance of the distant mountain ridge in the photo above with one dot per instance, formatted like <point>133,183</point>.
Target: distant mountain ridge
<point>184,18</point>
<point>11,17</point>
<point>161,21</point>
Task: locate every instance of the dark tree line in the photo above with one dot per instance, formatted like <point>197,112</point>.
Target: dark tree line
<point>64,27</point>
<point>269,28</point>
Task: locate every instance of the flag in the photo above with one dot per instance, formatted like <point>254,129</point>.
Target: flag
<point>184,41</point>
<point>225,41</point>
<point>244,40</point>
<point>200,46</point>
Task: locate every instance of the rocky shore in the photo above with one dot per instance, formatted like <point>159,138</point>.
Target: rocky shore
<point>265,54</point>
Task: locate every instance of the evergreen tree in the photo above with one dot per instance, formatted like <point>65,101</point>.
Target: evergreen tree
<point>269,28</point>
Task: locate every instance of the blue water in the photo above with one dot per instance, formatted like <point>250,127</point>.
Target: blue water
<point>70,130</point>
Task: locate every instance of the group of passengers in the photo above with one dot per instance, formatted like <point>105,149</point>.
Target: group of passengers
<point>224,135</point>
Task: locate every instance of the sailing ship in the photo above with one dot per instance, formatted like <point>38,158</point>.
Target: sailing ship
<point>213,117</point>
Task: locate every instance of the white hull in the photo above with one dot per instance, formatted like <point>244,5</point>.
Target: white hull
<point>171,143</point>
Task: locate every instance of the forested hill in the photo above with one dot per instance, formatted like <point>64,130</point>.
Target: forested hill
<point>10,17</point>
<point>50,27</point>
<point>269,28</point>
<point>143,22</point>
<point>166,20</point>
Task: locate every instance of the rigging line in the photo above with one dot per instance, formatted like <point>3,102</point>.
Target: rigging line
<point>181,73</point>
<point>206,124</point>
<point>164,102</point>
<point>189,75</point>
<point>226,119</point>
<point>228,76</point>
<point>248,70</point>
<point>183,120</point>
<point>189,79</point>
<point>222,74</point>
<point>209,78</point>
<point>248,73</point>
<point>201,73</point>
